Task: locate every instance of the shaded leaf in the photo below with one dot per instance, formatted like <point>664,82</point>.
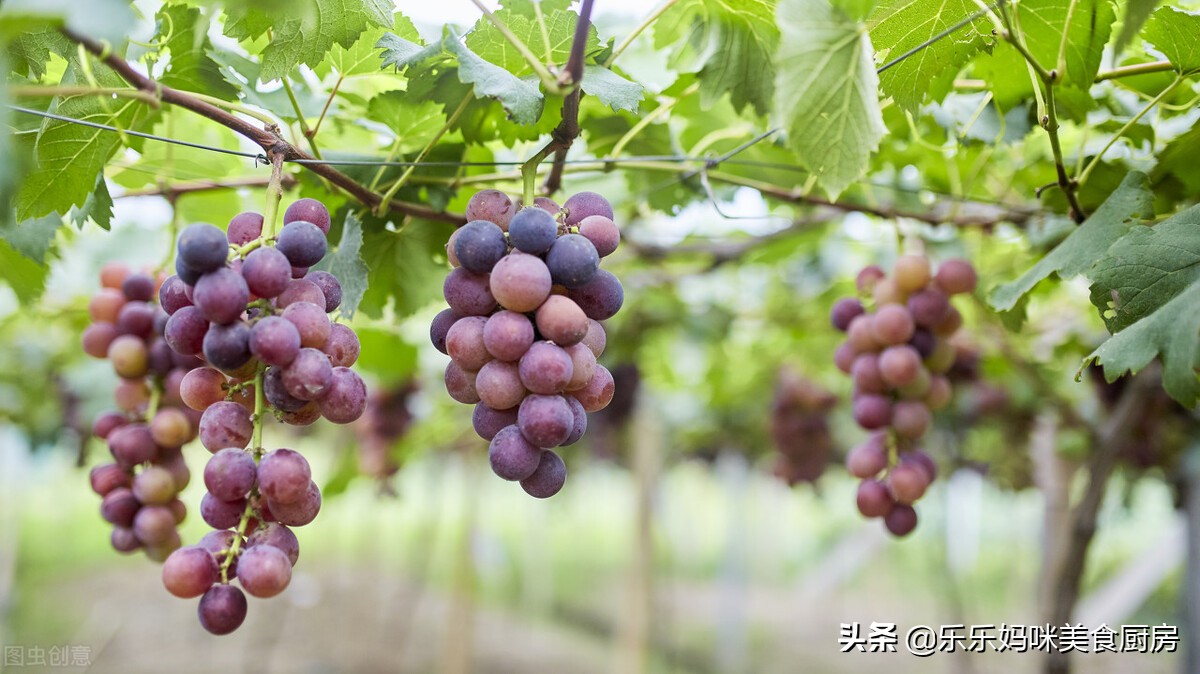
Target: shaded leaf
<point>98,208</point>
<point>32,237</point>
<point>190,67</point>
<point>26,277</point>
<point>347,265</point>
<point>1176,34</point>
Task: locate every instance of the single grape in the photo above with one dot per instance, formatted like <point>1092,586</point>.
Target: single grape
<point>264,571</point>
<point>918,388</point>
<point>572,261</point>
<point>107,422</point>
<point>499,385</point>
<point>561,321</point>
<point>309,376</point>
<point>868,459</point>
<point>119,507</point>
<point>860,334</point>
<point>275,340</point>
<point>222,609</point>
<point>450,256</point>
<point>221,514</point>
<point>267,272</point>
<point>154,525</point>
<point>299,272</point>
<point>465,343</point>
<point>277,536</point>
<point>308,210</point>
<point>217,543</point>
<point>488,422</point>
<point>185,273</point>
<point>107,477</point>
<point>301,512</point>
<point>230,474</point>
<point>347,397</point>
<point>138,287</point>
<point>330,287</point>
<point>942,358</point>
<point>533,231</point>
<point>844,311</point>
<point>923,461</point>
<point>546,368</point>
<point>136,318</point>
<point>512,456</point>
<point>940,392</point>
<point>131,395</point>
<point>244,228</point>
<point>178,511</point>
<point>956,277</point>
<point>302,242</point>
<point>928,307</point>
<point>300,290</point>
<point>225,424</point>
<point>342,347</point>
<point>440,327</point>
<point>899,365</point>
<point>520,282</point>
<point>601,298</point>
<point>545,420</point>
<point>172,296</point>
<point>900,520</point>
<point>202,248</point>
<point>170,427</point>
<point>128,356</point>
<point>468,294</point>
<point>106,305</point>
<point>602,232</point>
<point>113,274</point>
<point>911,273</point>
<point>491,205</point>
<point>950,324</point>
<point>910,418</point>
<point>160,358</point>
<point>598,392</point>
<point>305,416</point>
<point>866,374</point>
<point>583,204</point>
<point>892,324</point>
<point>132,444</point>
<point>276,393</point>
<point>872,411</point>
<point>923,341</point>
<point>907,483</point>
<point>227,347</point>
<point>123,540</point>
<point>874,499</point>
<point>867,278</point>
<point>547,204</point>
<point>460,384</point>
<point>887,292</point>
<point>479,246</point>
<point>583,366</point>
<point>189,572</point>
<point>159,552</point>
<point>186,330</point>
<point>548,478</point>
<point>202,387</point>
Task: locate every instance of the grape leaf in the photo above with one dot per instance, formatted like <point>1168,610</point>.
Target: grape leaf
<point>26,277</point>
<point>613,90</point>
<point>1176,34</point>
<point>491,45</point>
<point>1172,332</point>
<point>29,51</point>
<point>1129,206</point>
<point>1043,24</point>
<point>306,33</point>
<point>189,67</point>
<point>1136,14</point>
<point>1146,268</point>
<point>400,53</point>
<point>361,58</point>
<point>407,266</point>
<point>728,43</point>
<point>32,237</point>
<point>414,121</point>
<point>901,25</point>
<point>103,19</point>
<point>827,90</point>
<point>98,208</point>
<point>521,99</point>
<point>347,265</point>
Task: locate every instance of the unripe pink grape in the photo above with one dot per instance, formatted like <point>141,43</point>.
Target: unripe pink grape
<point>940,392</point>
<point>911,272</point>
<point>956,277</point>
<point>499,385</point>
<point>583,366</point>
<point>899,365</point>
<point>868,459</point>
<point>598,392</point>
<point>887,292</point>
<point>866,375</point>
<point>860,334</point>
<point>465,344</point>
<point>872,411</point>
<point>460,384</point>
<point>873,499</point>
<point>520,282</point>
<point>910,418</point>
<point>892,324</point>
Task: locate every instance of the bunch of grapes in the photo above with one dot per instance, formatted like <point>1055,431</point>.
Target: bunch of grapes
<point>898,354</point>
<point>523,331</point>
<point>249,306</point>
<point>800,428</point>
<point>139,489</point>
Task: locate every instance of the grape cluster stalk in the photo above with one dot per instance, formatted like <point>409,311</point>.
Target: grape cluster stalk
<point>898,350</point>
<point>139,488</point>
<point>524,328</point>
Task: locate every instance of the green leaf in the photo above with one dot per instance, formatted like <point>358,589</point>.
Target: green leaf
<point>1172,332</point>
<point>29,51</point>
<point>110,20</point>
<point>347,265</point>
<point>306,33</point>
<point>827,92</point>
<point>26,277</point>
<point>1145,268</point>
<point>98,208</point>
<point>521,99</point>
<point>407,266</point>
<point>32,237</point>
<point>400,53</point>
<point>1136,14</point>
<point>189,67</point>
<point>415,122</point>
<point>361,58</point>
<point>613,90</point>
<point>729,44</point>
<point>1043,24</point>
<point>1176,34</point>
<point>1178,158</point>
<point>901,25</point>
<point>1129,206</point>
<point>385,355</point>
<point>70,156</point>
<point>491,45</point>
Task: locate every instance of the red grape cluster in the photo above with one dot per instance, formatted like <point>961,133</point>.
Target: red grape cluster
<point>139,489</point>
<point>259,318</point>
<point>523,331</point>
<point>800,428</point>
<point>898,355</point>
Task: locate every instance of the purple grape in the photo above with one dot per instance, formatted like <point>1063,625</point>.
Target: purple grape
<point>924,342</point>
<point>491,205</point>
<point>276,393</point>
<point>479,245</point>
<point>507,335</point>
<point>283,476</point>
<point>221,514</point>
<point>244,228</point>
<point>97,337</point>
<point>512,456</point>
<point>267,272</point>
<point>545,420</point>
<point>107,422</point>
<point>468,294</point>
<point>928,307</point>
<point>274,341</point>
<point>222,609</point>
<point>264,571</point>
<point>186,330</point>
<point>154,525</point>
<point>548,478</point>
<point>301,512</point>
<point>221,295</point>
<point>138,287</point>
<point>330,287</point>
<point>154,486</point>
<point>311,322</point>
<point>488,422</point>
<point>309,376</point>
<point>124,540</point>
<point>202,247</point>
<point>561,321</point>
<point>584,204</point>
<point>300,290</point>
<point>189,572</point>
<point>308,210</point>
<point>230,474</point>
<point>132,444</point>
<point>160,358</point>
<point>872,411</point>
<point>573,261</point>
<point>900,520</point>
<point>602,232</point>
<point>342,347</point>
<point>533,231</point>
<point>305,416</point>
<point>302,242</point>
<point>546,368</point>
<point>185,273</point>
<point>171,296</point>
<point>347,397</point>
<point>460,384</point>
<point>119,507</point>
<point>277,536</point>
<point>844,311</point>
<point>440,327</point>
<point>520,282</point>
<point>225,424</point>
<point>107,477</point>
<point>598,392</point>
<point>464,342</point>
<point>136,318</point>
<point>227,347</point>
<point>601,298</point>
<point>873,499</point>
<point>499,385</point>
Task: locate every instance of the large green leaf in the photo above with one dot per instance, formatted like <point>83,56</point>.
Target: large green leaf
<point>407,266</point>
<point>190,67</point>
<point>1086,24</point>
<point>827,88</point>
<point>415,122</point>
<point>1176,34</point>
<point>555,47</point>
<point>613,90</point>
<point>346,263</point>
<point>104,19</point>
<point>522,99</point>
<point>901,25</point>
<point>32,237</point>
<point>26,277</point>
<point>728,43</point>
<point>1135,16</point>
<point>30,51</point>
<point>1131,205</point>
<point>362,57</point>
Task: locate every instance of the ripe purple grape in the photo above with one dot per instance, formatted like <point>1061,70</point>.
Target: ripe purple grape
<point>572,261</point>
<point>154,525</point>
<point>277,536</point>
<point>899,365</point>
<point>302,242</point>
<point>546,368</point>
<point>512,456</point>
<point>956,277</point>
<point>244,228</point>
<point>171,296</point>
<point>201,388</point>
<point>928,307</point>
<point>583,366</point>
<point>346,399</point>
<point>300,290</point>
<point>275,340</point>
<point>311,322</point>
<point>579,425</point>
<point>844,311</point>
<point>520,282</point>
<point>488,421</point>
<point>872,411</point>
<point>602,232</point>
<point>225,424</point>
<point>119,507</point>
<point>301,512</point>
<point>342,347</point>
<point>132,444</point>
<point>309,376</point>
<point>222,609</point>
<point>598,392</point>
<point>185,331</point>
<point>468,294</point>
<point>202,248</point>
<point>892,324</point>
<point>220,514</point>
<point>230,474</point>
<point>460,384</point>
<point>465,342</point>
<point>601,298</point>
<point>308,210</point>
<point>189,572</point>
<point>868,459</point>
<point>874,499</point>
<point>548,478</point>
<point>479,246</point>
<point>910,418</point>
<point>561,321</point>
<point>499,385</point>
<point>330,287</point>
<point>583,204</point>
<point>276,393</point>
<point>491,205</point>
<point>136,318</point>
<point>227,347</point>
<point>533,231</point>
<point>264,571</point>
<point>107,477</point>
<point>440,327</point>
<point>545,420</point>
<point>900,520</point>
<point>267,272</point>
<point>595,339</point>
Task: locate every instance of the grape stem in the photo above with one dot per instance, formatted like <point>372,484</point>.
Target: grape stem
<point>256,451</point>
<point>274,195</point>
